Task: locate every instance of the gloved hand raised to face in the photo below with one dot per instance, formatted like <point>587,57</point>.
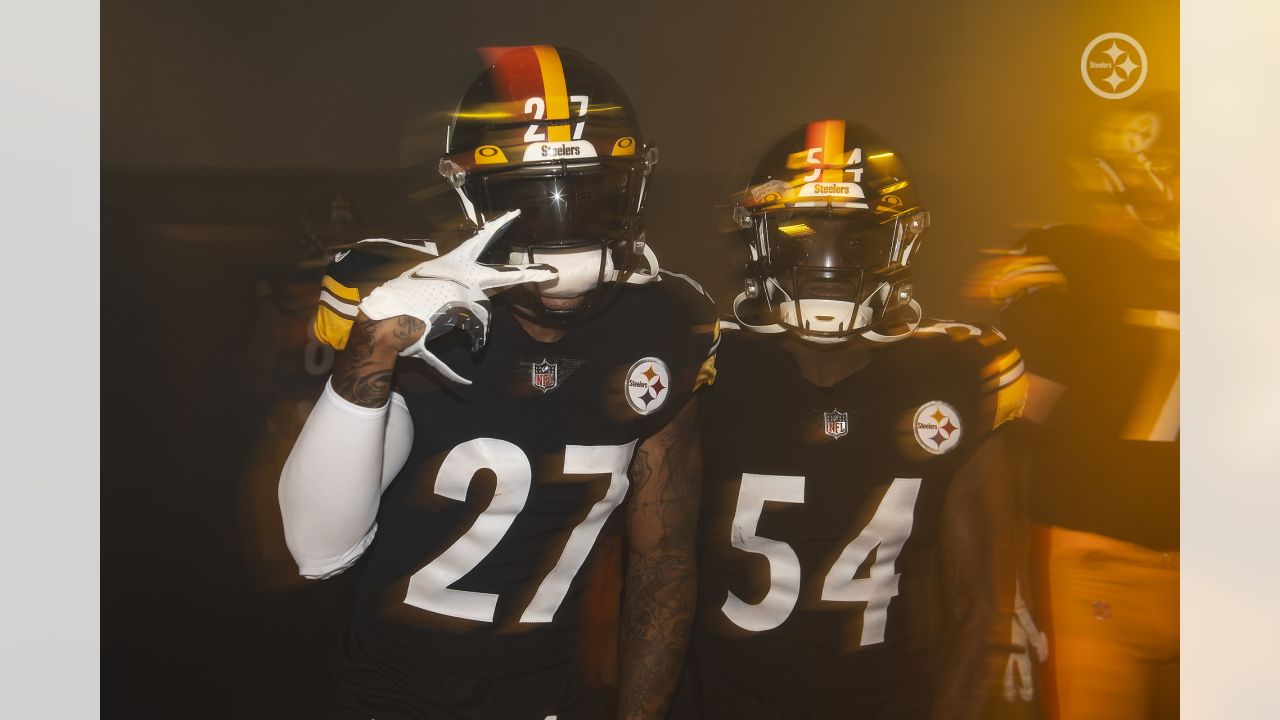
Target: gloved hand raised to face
<point>451,291</point>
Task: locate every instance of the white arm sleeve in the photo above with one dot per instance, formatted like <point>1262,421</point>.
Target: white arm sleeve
<point>344,458</point>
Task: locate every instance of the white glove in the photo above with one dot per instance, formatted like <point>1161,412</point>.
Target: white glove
<point>1024,636</point>
<point>452,291</point>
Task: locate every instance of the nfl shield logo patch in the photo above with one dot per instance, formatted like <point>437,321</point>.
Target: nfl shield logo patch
<point>544,375</point>
<point>837,423</point>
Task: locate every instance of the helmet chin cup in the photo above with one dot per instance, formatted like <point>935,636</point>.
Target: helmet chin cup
<point>831,318</point>
<point>578,270</point>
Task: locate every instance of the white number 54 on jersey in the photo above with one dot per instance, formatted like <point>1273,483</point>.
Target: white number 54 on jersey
<point>885,534</point>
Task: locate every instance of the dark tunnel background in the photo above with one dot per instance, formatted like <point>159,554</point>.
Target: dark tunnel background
<point>222,123</point>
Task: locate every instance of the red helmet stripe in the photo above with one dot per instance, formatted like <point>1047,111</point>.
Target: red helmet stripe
<point>516,75</point>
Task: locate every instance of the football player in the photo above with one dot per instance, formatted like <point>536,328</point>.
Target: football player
<point>1095,309</point>
<point>480,485</point>
<point>854,524</point>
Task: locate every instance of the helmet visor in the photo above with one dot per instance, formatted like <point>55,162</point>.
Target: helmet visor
<point>559,211</point>
<point>823,242</point>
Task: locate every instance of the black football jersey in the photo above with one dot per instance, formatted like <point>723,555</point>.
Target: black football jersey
<point>1101,317</point>
<point>822,509</point>
<point>485,536</point>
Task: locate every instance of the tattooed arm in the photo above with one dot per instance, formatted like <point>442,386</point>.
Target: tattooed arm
<point>362,372</point>
<point>659,589</point>
<point>977,560</point>
<point>356,439</point>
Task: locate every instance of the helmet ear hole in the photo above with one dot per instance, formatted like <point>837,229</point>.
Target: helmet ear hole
<point>452,172</point>
<point>919,222</point>
<point>650,159</point>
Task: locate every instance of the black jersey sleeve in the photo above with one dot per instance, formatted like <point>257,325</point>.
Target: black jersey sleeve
<point>1039,322</point>
<point>1003,380</point>
<point>691,331</point>
<point>354,274</point>
<point>985,360</point>
<point>1029,286</point>
<point>703,338</point>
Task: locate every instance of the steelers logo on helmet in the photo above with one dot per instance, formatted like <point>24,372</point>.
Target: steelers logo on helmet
<point>937,427</point>
<point>545,131</point>
<point>831,217</point>
<point>648,384</point>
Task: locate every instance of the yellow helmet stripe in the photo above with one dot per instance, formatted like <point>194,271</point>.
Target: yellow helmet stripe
<point>554,92</point>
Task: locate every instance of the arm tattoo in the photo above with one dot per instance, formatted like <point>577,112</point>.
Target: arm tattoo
<point>362,372</point>
<point>660,590</point>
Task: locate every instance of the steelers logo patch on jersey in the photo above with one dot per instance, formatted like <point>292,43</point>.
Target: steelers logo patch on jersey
<point>648,384</point>
<point>937,427</point>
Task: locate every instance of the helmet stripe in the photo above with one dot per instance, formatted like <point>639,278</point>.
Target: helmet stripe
<point>833,150</point>
<point>514,72</point>
<point>554,92</point>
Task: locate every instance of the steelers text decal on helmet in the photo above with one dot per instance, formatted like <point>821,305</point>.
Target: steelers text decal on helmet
<point>648,384</point>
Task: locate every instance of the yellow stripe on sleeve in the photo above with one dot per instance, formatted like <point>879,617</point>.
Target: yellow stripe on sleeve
<point>331,328</point>
<point>706,373</point>
<point>340,290</point>
<point>1010,400</point>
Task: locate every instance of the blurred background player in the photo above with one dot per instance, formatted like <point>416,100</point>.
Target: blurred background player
<point>1094,310</point>
<point>287,367</point>
<point>854,526</point>
<point>500,472</point>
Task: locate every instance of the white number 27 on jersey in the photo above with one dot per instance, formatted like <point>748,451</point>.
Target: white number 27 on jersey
<point>885,534</point>
<point>429,587</point>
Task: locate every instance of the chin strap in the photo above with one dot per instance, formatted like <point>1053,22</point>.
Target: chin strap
<point>467,207</point>
<point>911,327</point>
<point>640,278</point>
<point>773,328</point>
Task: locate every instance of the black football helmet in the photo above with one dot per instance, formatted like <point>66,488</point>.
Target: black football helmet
<point>832,219</point>
<point>548,132</point>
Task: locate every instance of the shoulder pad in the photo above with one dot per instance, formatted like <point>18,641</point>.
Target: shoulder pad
<point>685,280</point>
<point>697,310</point>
